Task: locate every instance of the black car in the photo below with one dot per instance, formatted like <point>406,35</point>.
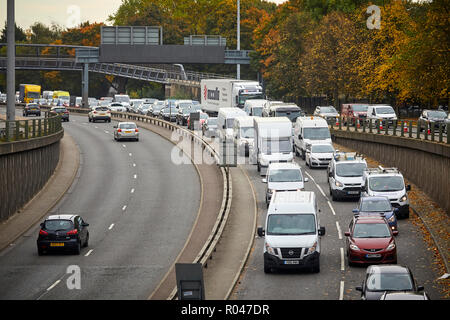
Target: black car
<point>62,111</point>
<point>32,108</point>
<point>432,119</point>
<point>183,114</point>
<point>387,278</point>
<point>63,233</point>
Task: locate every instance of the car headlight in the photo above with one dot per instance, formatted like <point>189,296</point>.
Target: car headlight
<point>269,191</point>
<point>391,246</point>
<point>312,249</point>
<point>404,198</point>
<point>392,218</point>
<point>270,250</point>
<point>354,247</point>
<point>338,184</point>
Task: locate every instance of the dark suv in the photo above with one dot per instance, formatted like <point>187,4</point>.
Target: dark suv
<point>32,108</point>
<point>63,232</point>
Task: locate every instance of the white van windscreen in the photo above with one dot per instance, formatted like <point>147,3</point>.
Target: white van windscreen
<point>316,133</point>
<point>291,224</point>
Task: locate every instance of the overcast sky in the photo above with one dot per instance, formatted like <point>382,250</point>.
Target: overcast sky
<point>65,13</point>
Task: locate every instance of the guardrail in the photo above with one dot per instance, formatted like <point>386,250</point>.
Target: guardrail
<point>426,131</point>
<point>27,129</point>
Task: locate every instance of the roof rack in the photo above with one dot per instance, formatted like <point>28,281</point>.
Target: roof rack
<point>380,169</point>
<point>343,156</point>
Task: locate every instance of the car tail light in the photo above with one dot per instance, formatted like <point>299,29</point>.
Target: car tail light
<point>95,111</point>
<point>66,111</point>
<point>72,232</point>
<point>119,130</point>
<point>136,130</point>
<point>43,233</point>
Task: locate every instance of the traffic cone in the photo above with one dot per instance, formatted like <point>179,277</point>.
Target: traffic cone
<point>381,126</point>
<point>405,129</point>
<point>429,131</point>
<point>358,125</point>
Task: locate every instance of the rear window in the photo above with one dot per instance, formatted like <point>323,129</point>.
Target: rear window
<point>59,109</point>
<point>54,225</point>
<point>127,126</point>
<point>102,109</point>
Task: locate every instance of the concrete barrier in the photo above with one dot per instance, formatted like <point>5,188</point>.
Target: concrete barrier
<point>424,163</point>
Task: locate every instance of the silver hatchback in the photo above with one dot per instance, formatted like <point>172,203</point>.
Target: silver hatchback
<point>126,130</point>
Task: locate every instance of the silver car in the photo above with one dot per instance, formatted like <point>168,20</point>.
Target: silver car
<point>126,130</point>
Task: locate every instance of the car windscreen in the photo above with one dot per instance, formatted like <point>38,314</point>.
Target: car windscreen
<point>212,121</point>
<point>102,109</point>
<point>276,145</point>
<point>122,99</point>
<point>389,282</point>
<point>64,97</point>
<point>387,183</point>
<point>384,110</point>
<point>127,126</point>
<point>350,169</point>
<point>291,224</point>
<point>170,110</point>
<point>291,114</point>
<point>328,110</point>
<point>371,230</point>
<point>34,95</point>
<point>375,205</point>
<point>247,132</point>
<point>32,105</point>
<point>184,105</point>
<point>230,122</point>
<point>257,111</point>
<point>437,114</point>
<point>59,110</point>
<point>322,148</point>
<point>58,224</point>
<point>316,133</point>
<point>285,175</point>
<point>203,116</point>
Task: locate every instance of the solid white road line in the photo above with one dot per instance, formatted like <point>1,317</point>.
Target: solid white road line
<point>339,230</point>
<point>318,187</point>
<point>54,285</point>
<point>341,291</point>
<point>111,226</point>
<point>88,253</point>
<point>331,207</point>
<point>342,259</point>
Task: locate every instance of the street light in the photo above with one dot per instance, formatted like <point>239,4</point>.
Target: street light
<point>238,69</point>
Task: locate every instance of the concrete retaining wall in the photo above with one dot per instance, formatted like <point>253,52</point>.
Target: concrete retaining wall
<point>426,164</point>
<point>25,167</point>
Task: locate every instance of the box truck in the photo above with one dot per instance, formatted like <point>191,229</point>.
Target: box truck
<point>227,93</point>
<point>29,92</point>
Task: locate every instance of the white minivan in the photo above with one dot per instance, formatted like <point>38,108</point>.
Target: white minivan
<point>381,112</point>
<point>309,130</point>
<point>292,232</point>
<point>254,107</point>
<point>225,121</point>
<point>283,177</point>
<point>244,135</point>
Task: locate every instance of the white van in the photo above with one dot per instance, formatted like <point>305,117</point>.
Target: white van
<point>254,107</point>
<point>292,232</point>
<point>273,141</point>
<point>244,134</point>
<point>309,130</point>
<point>225,121</point>
<point>381,112</point>
<point>387,182</point>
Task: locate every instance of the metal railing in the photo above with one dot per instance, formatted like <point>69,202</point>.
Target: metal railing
<point>11,131</point>
<point>425,131</point>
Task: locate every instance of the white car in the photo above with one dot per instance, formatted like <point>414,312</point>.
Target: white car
<point>319,154</point>
<point>99,113</point>
<point>126,130</point>
<point>282,177</point>
<point>117,107</point>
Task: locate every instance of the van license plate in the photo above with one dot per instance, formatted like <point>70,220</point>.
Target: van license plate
<point>291,262</point>
<point>353,192</point>
<point>57,244</point>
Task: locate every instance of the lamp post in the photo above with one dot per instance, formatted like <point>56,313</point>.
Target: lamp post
<point>238,67</point>
<point>11,64</point>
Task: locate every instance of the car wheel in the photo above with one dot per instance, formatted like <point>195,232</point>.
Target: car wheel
<point>86,243</point>
<point>267,269</point>
<point>316,267</point>
<point>78,248</point>
<point>137,139</point>
<point>303,155</point>
<point>259,167</point>
<point>296,151</point>
<point>40,252</point>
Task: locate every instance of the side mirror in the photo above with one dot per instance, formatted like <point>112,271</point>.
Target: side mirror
<point>321,231</point>
<point>347,234</point>
<point>261,232</point>
<point>223,127</point>
<point>306,179</point>
<point>396,210</point>
<point>330,174</point>
<point>115,127</point>
<point>420,288</point>
<point>359,288</point>
<point>42,224</point>
<point>264,180</point>
<point>408,187</point>
<point>300,136</point>
<point>395,233</point>
<point>355,211</point>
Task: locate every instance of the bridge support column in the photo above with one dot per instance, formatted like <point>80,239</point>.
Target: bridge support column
<point>85,85</point>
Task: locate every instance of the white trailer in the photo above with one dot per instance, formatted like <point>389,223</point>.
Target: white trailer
<point>273,141</point>
<point>227,93</point>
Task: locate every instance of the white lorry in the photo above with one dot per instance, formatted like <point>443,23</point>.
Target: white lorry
<point>273,142</point>
<point>227,93</point>
<point>309,130</point>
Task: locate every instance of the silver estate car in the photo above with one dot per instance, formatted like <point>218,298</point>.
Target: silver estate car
<point>126,130</point>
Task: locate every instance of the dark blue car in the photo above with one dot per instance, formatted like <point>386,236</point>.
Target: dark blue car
<point>378,206</point>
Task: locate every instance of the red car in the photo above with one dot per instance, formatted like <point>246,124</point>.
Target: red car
<point>352,111</point>
<point>370,241</point>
